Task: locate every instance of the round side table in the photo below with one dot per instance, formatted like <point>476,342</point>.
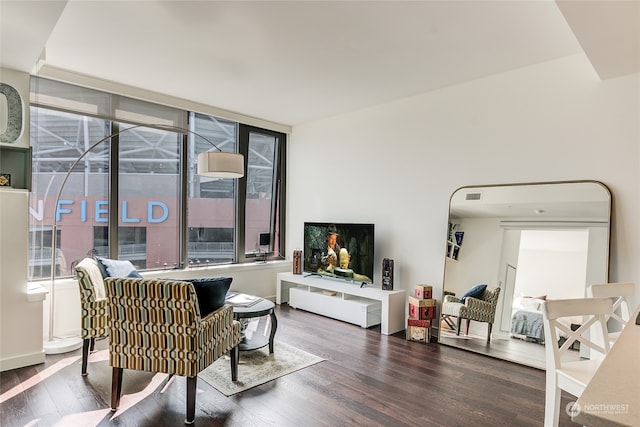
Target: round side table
<point>262,308</point>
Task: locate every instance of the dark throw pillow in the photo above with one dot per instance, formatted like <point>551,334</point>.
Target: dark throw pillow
<point>211,293</point>
<point>117,268</point>
<point>474,292</point>
<point>101,266</point>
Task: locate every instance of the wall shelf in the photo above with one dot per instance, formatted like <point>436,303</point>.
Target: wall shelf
<point>17,162</point>
<point>454,242</point>
<point>453,250</point>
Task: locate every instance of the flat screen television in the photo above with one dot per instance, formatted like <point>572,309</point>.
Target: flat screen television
<point>339,250</point>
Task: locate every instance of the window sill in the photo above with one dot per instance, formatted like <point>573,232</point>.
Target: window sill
<point>36,293</point>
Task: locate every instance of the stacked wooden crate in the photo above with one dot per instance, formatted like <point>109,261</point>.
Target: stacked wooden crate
<point>422,310</point>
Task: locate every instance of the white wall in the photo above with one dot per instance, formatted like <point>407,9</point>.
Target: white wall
<point>20,313</point>
<point>479,258</point>
<point>555,265</point>
<point>397,164</point>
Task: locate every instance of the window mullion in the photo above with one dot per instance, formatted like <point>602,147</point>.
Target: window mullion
<point>280,195</point>
<point>241,195</point>
<point>114,192</point>
<point>183,201</point>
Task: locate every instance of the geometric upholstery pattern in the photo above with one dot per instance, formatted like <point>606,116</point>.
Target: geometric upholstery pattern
<point>93,315</point>
<point>481,309</point>
<point>155,326</point>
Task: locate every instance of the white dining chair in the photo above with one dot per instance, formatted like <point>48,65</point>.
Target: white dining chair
<point>619,292</point>
<point>572,375</point>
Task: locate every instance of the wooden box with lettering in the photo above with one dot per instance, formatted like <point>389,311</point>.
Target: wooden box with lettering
<point>423,323</point>
<point>422,308</point>
<point>417,333</point>
<point>423,291</point>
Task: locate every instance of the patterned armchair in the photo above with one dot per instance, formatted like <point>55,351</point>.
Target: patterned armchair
<point>155,326</point>
<point>93,304</point>
<point>481,309</point>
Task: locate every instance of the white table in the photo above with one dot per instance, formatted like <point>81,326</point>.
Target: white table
<point>612,398</point>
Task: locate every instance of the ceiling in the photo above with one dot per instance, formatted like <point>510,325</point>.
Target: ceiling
<point>292,62</point>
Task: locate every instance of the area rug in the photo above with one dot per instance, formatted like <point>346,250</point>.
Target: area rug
<point>257,367</point>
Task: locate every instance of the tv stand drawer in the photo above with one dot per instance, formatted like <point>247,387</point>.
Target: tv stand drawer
<point>359,311</point>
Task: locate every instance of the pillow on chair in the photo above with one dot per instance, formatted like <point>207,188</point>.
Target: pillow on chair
<point>118,268</point>
<point>474,292</point>
<point>211,293</point>
<point>101,266</point>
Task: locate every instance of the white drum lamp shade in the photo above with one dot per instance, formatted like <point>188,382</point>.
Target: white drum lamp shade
<point>220,164</point>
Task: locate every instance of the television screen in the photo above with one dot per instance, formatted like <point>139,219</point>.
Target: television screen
<point>341,251</point>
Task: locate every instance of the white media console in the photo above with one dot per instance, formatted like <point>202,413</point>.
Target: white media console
<point>366,306</point>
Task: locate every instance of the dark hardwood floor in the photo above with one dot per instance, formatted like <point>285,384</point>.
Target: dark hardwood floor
<point>367,379</point>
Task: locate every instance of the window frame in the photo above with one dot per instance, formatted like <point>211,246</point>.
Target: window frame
<point>276,223</point>
<point>277,216</point>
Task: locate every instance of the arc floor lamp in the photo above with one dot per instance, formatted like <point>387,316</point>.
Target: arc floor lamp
<point>211,164</point>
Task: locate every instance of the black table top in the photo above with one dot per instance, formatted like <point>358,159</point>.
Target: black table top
<point>261,308</point>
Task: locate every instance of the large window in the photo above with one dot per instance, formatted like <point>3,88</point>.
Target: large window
<point>137,195</point>
<point>58,140</point>
<point>211,218</point>
<point>148,197</point>
<point>262,188</point>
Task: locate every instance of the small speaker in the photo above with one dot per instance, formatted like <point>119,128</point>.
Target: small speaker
<point>265,239</point>
<point>387,274</point>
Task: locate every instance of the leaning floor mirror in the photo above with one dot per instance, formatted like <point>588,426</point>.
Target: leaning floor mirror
<point>526,243</point>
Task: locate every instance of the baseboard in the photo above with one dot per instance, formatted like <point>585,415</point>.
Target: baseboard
<point>21,361</point>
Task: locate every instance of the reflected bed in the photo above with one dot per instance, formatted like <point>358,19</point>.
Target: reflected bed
<point>526,320</point>
<point>527,325</point>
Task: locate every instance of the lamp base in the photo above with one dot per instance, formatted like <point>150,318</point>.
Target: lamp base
<point>62,345</point>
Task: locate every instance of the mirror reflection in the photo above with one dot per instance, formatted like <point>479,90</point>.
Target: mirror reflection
<point>512,246</point>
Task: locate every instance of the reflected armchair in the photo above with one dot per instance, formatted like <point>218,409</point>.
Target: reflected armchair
<point>480,309</point>
<point>155,326</point>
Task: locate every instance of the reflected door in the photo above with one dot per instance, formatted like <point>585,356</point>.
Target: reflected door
<point>509,286</point>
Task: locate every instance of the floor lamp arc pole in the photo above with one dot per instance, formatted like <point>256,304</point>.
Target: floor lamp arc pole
<point>212,164</point>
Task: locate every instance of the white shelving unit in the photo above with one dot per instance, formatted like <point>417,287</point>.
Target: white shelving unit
<point>367,306</point>
<point>454,242</point>
<point>453,250</point>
